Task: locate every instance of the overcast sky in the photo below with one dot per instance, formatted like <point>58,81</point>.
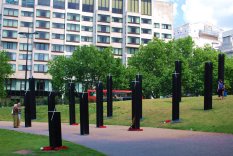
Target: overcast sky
<point>217,12</point>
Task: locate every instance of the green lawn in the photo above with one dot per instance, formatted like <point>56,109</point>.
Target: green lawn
<point>155,111</point>
<point>12,141</point>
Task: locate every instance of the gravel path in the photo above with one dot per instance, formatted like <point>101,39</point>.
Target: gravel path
<point>117,141</point>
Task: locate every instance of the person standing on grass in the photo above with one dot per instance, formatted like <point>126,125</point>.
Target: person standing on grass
<point>220,89</point>
<point>19,112</point>
<point>14,113</point>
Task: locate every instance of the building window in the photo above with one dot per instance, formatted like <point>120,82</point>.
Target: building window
<point>57,48</point>
<point>10,23</point>
<point>116,40</point>
<point>27,13</point>
<point>73,27</point>
<point>11,56</point>
<point>24,56</point>
<point>157,35</point>
<point>117,6</point>
<point>59,4</point>
<point>133,30</point>
<point>117,19</point>
<point>103,5</point>
<point>115,29</point>
<point>58,15</point>
<point>14,2</point>
<point>23,67</point>
<point>167,26</point>
<point>146,21</point>
<point>132,50</point>
<point>73,17</point>
<point>103,28</point>
<point>40,68</point>
<point>146,7</point>
<point>156,25</point>
<point>26,24</point>
<point>28,3</point>
<point>103,39</point>
<point>23,46</point>
<point>42,46</point>
<point>42,35</point>
<point>70,48</point>
<point>88,6</point>
<point>40,85</point>
<point>72,38</point>
<point>42,24</point>
<point>117,51</point>
<point>9,45</point>
<point>87,28</point>
<point>43,13</point>
<point>44,2</point>
<point>13,67</point>
<point>166,36</point>
<point>9,34</point>
<point>146,31</point>
<point>87,18</point>
<point>73,4</point>
<point>58,36</point>
<point>145,40</point>
<point>134,40</point>
<point>104,18</point>
<point>134,19</point>
<point>11,12</point>
<point>58,25</point>
<point>133,6</point>
<point>41,57</point>
<point>87,39</point>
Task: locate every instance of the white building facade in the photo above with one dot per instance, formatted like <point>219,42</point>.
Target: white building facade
<point>64,24</point>
<point>227,43</point>
<point>201,33</point>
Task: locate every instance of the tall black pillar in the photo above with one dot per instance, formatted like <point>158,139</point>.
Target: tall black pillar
<point>55,137</point>
<point>135,105</point>
<point>51,101</point>
<point>109,96</point>
<point>175,98</point>
<point>99,104</point>
<point>72,103</point>
<point>32,97</point>
<point>84,114</point>
<point>27,111</point>
<point>221,67</point>
<point>139,79</point>
<point>178,69</point>
<point>208,85</point>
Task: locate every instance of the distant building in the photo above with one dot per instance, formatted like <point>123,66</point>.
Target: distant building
<point>227,42</point>
<point>201,33</point>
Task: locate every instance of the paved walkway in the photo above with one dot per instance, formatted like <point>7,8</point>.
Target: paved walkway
<point>117,141</point>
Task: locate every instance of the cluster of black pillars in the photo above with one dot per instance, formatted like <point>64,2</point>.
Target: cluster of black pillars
<point>84,114</point>
<point>208,85</point>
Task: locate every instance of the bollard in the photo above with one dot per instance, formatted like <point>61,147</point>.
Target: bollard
<point>208,85</point>
<point>32,97</point>
<point>178,69</point>
<point>139,79</point>
<point>55,137</point>
<point>99,105</point>
<point>175,98</point>
<point>84,114</point>
<point>27,111</point>
<point>221,67</point>
<point>109,96</point>
<point>72,103</point>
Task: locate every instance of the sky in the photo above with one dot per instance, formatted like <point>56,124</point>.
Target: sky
<point>216,12</point>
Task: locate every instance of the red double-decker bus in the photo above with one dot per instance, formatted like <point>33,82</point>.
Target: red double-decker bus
<point>118,95</point>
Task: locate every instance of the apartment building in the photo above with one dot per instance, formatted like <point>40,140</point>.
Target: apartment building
<point>227,43</point>
<point>201,33</point>
<point>61,25</point>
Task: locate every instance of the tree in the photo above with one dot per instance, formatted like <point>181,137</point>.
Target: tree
<point>5,70</point>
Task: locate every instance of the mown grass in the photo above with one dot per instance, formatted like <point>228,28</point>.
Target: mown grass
<point>155,112</point>
<point>12,141</point>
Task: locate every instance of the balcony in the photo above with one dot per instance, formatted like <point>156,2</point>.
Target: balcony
<point>209,33</point>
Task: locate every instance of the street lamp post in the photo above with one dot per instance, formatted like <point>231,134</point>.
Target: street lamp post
<point>27,34</point>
